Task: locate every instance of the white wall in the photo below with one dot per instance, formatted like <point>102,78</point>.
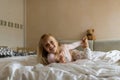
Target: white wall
<point>12,11</point>
<point>69,19</point>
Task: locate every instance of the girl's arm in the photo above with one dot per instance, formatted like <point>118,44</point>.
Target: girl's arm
<point>77,44</point>
<point>74,45</point>
<point>88,53</point>
<point>87,50</point>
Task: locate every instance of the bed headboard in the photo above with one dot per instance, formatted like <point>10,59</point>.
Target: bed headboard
<point>106,45</point>
<point>3,46</point>
<point>99,45</point>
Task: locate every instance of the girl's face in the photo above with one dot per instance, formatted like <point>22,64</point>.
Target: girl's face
<point>50,44</point>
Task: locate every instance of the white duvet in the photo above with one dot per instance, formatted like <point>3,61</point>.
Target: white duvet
<point>103,66</point>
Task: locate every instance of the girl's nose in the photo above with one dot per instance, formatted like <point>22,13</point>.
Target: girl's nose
<point>51,46</point>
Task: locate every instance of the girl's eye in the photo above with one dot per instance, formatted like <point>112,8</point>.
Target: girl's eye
<point>46,45</point>
<point>52,42</point>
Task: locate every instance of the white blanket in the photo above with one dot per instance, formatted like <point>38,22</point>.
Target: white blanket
<point>103,66</point>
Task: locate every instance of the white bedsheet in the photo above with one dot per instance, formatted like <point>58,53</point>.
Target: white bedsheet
<point>25,60</point>
<point>103,66</point>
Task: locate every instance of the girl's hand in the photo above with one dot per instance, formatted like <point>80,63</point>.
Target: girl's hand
<point>61,58</point>
<point>85,42</point>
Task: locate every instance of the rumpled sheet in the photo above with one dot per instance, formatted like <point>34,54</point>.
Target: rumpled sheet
<point>103,66</point>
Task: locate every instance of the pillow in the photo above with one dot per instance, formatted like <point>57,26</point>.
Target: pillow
<point>24,53</point>
<point>6,52</point>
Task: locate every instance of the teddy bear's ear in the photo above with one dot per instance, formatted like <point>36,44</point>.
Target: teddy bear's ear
<point>88,30</point>
<point>92,30</point>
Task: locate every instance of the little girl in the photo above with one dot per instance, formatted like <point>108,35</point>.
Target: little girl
<point>50,50</point>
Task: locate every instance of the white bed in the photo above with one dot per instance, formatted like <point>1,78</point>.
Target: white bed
<point>103,66</point>
<point>25,60</point>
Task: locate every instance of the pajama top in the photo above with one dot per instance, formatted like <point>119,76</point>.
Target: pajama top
<point>67,54</point>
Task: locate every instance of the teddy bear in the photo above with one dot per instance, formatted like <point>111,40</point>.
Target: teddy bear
<point>90,34</point>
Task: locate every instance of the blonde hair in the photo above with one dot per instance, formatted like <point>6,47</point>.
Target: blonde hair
<point>41,52</point>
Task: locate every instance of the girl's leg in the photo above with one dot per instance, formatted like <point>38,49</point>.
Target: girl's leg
<point>87,50</point>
